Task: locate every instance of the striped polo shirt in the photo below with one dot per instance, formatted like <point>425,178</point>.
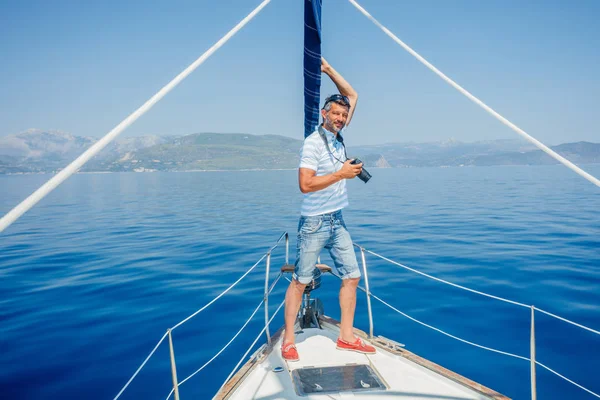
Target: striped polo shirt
<point>315,155</point>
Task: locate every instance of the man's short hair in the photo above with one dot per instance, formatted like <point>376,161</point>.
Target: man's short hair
<point>337,99</point>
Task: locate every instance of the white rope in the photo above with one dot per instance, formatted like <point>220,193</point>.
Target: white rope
<point>219,296</point>
<point>446,282</point>
<point>484,347</point>
<point>506,122</point>
<point>220,351</point>
<point>449,335</point>
<point>49,186</point>
<point>141,366</point>
<point>477,345</point>
<point>478,292</point>
<point>231,341</point>
<point>568,321</point>
<point>275,283</point>
<point>277,242</point>
<point>567,379</point>
<point>251,346</point>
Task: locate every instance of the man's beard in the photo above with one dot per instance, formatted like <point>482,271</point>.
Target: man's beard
<point>331,126</point>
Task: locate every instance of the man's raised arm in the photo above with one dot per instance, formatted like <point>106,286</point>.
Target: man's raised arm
<point>342,85</point>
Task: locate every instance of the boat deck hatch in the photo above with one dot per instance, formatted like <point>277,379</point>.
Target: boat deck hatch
<point>344,378</point>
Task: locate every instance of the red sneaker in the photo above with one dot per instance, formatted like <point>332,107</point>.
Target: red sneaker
<point>289,352</point>
<point>359,345</point>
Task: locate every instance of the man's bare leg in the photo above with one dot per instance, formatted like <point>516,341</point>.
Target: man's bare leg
<point>348,305</point>
<point>293,299</point>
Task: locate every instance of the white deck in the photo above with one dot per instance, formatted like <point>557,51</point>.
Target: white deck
<point>405,379</point>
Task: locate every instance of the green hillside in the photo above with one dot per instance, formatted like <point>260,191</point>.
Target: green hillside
<point>209,151</point>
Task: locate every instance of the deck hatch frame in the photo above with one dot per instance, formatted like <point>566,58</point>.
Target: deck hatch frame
<point>336,379</point>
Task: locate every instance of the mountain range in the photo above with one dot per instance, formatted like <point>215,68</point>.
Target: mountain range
<point>39,151</point>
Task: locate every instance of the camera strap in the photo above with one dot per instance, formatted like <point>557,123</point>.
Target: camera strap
<point>324,137</point>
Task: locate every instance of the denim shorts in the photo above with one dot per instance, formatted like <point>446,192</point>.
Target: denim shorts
<point>324,231</point>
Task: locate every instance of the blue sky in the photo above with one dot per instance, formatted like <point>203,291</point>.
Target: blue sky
<point>82,67</point>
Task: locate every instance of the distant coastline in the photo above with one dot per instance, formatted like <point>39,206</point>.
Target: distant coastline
<point>265,170</point>
<point>36,151</point>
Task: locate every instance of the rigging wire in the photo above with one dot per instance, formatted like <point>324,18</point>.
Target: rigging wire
<point>228,343</point>
<point>251,346</point>
<point>219,296</point>
<point>480,346</point>
<point>141,366</point>
<point>446,282</point>
<point>480,103</point>
<point>72,168</point>
<point>197,312</point>
<point>448,334</point>
<point>478,292</point>
<point>567,379</point>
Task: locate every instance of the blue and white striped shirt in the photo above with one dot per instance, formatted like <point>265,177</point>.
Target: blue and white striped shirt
<point>315,155</point>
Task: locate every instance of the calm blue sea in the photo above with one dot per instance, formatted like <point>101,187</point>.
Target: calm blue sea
<point>91,278</point>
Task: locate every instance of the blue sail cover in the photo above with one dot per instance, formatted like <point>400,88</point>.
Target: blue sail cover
<point>312,64</point>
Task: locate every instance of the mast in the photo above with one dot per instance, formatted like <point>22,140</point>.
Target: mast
<point>312,64</point>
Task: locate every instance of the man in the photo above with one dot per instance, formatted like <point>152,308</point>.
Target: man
<point>322,176</point>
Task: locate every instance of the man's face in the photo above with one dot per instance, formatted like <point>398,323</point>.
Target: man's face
<point>335,119</point>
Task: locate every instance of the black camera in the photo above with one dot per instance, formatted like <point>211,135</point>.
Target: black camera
<point>364,174</point>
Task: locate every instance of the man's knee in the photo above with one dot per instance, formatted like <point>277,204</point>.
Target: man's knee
<point>297,286</point>
<point>350,282</point>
